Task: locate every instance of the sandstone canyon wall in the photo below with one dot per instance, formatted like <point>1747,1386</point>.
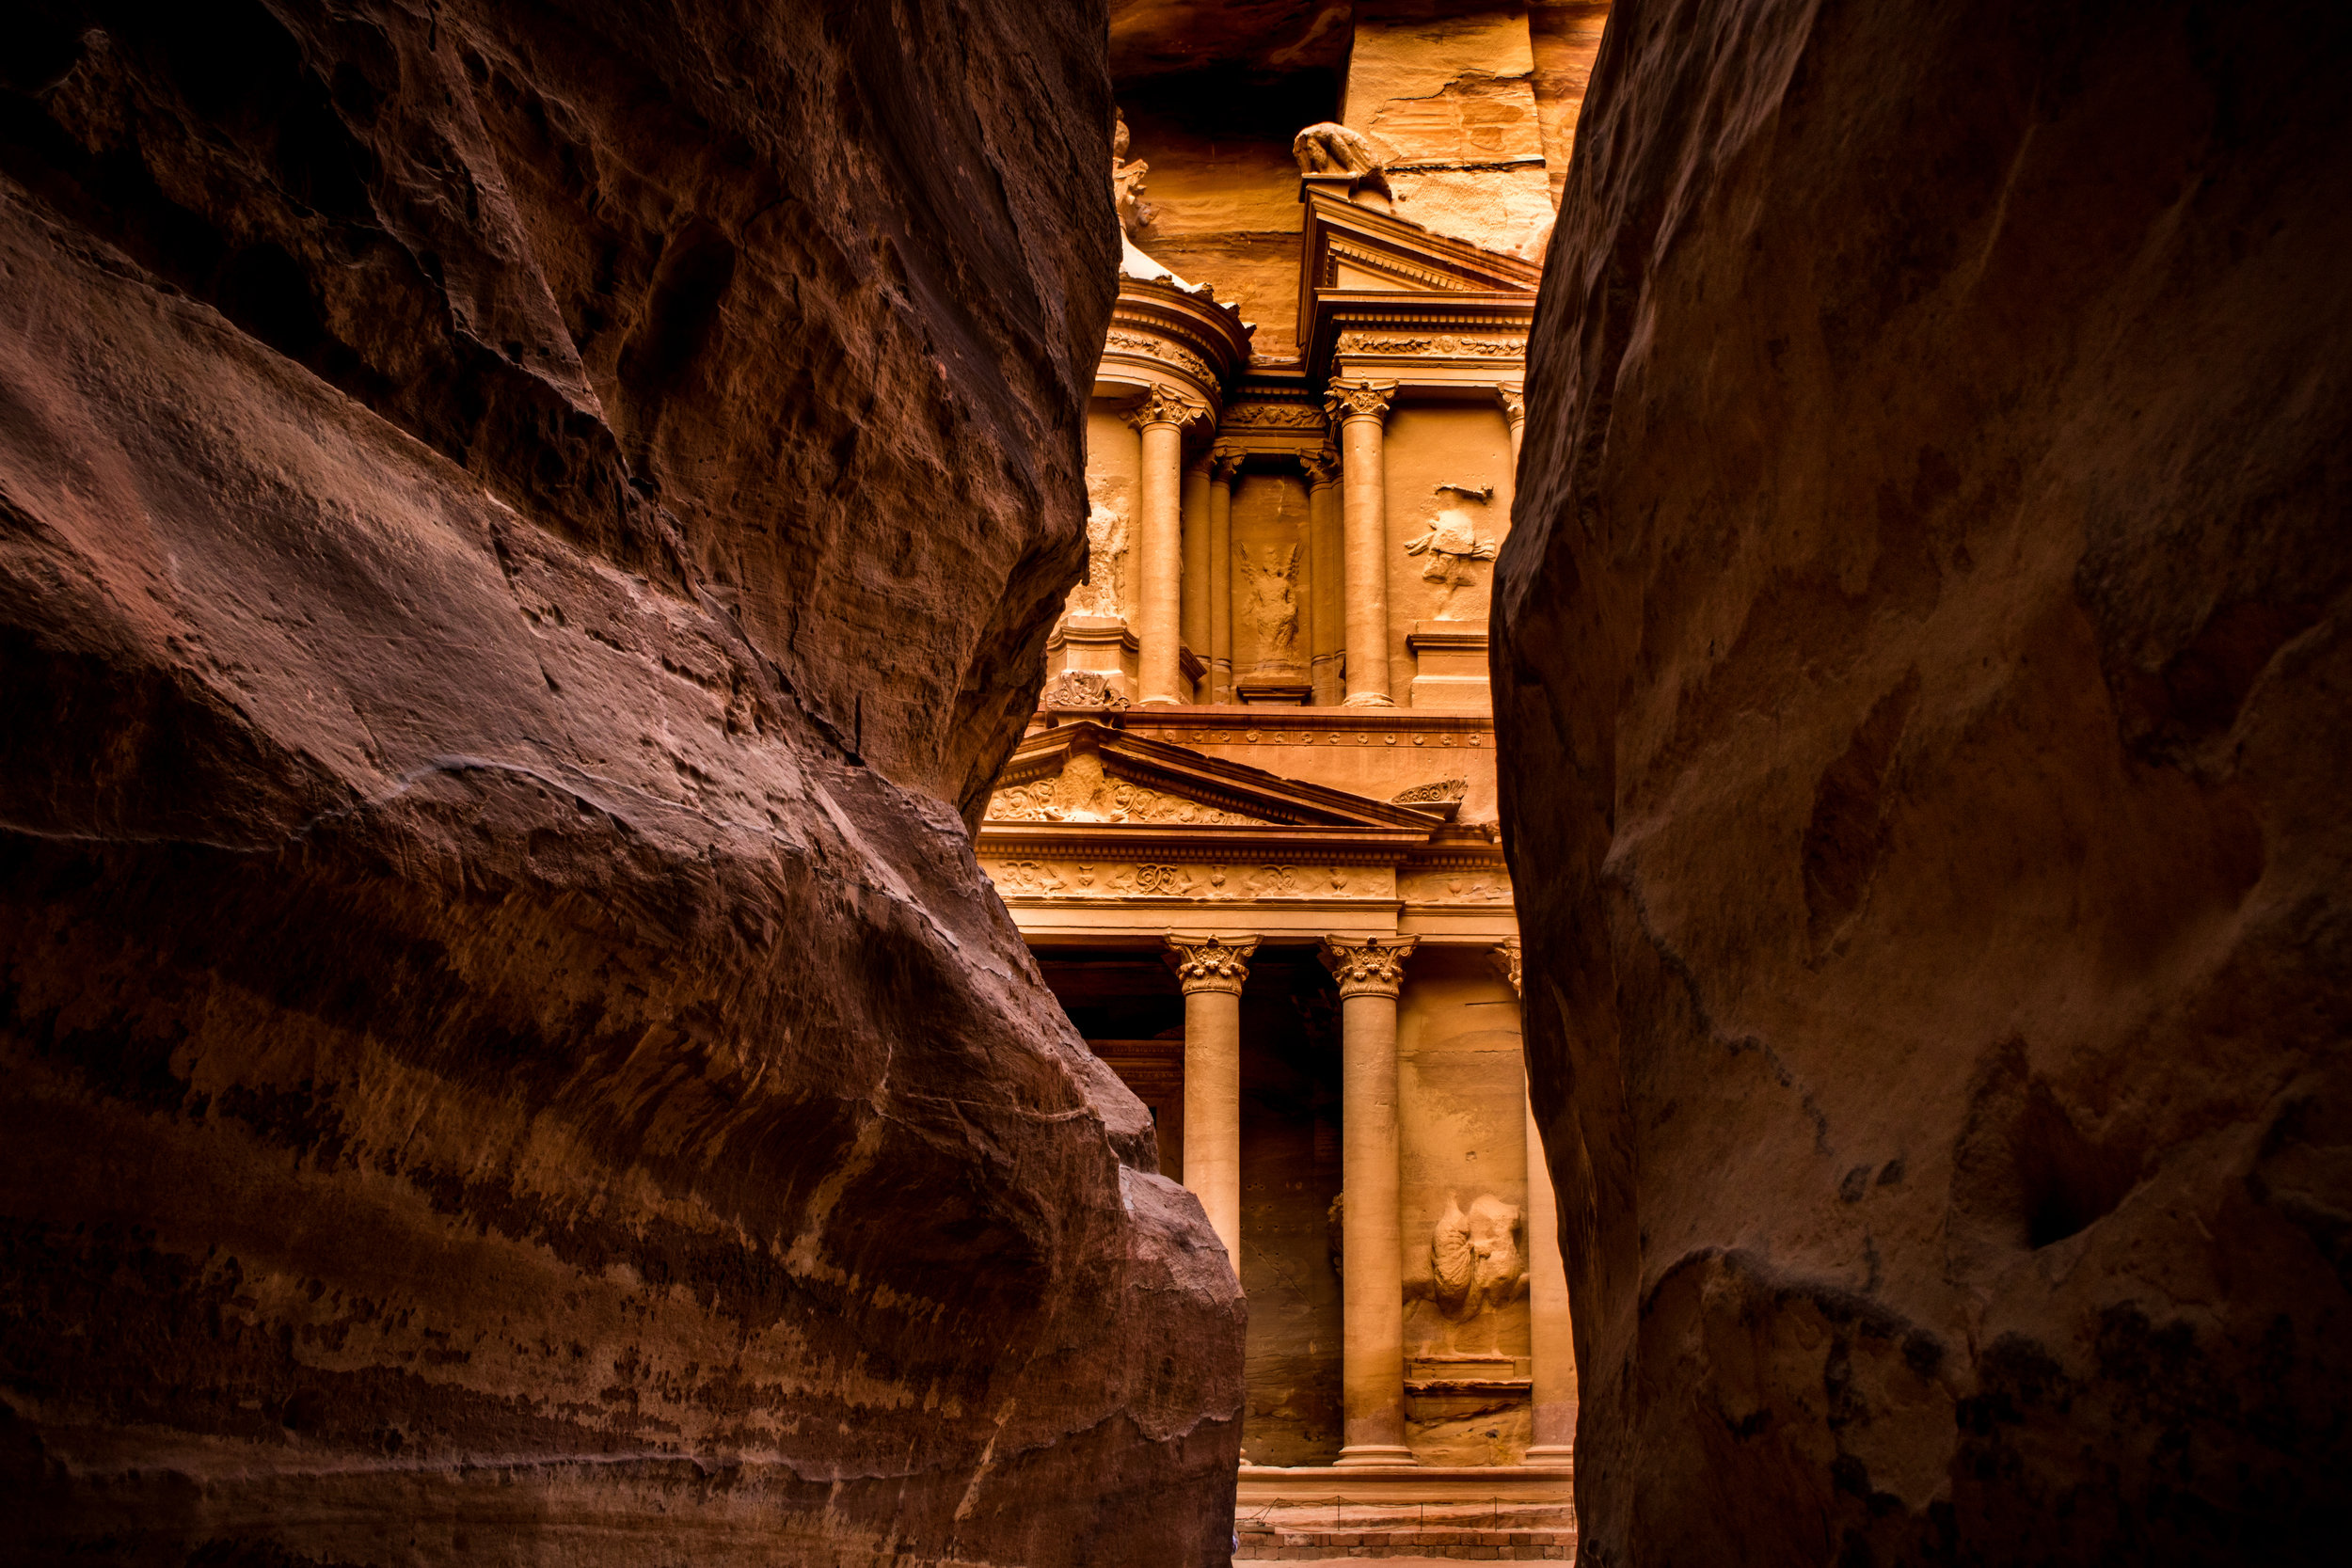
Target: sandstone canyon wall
<point>524,531</point>
<point>1923,676</point>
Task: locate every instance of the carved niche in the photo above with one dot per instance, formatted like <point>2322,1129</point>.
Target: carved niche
<point>1271,605</point>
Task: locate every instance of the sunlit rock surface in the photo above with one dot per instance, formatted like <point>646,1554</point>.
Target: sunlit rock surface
<point>1922,676</point>
<point>522,530</point>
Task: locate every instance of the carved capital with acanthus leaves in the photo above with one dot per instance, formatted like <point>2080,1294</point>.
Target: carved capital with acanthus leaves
<point>1368,966</point>
<point>1513,401</point>
<point>1322,467</point>
<point>1211,963</point>
<point>1224,464</point>
<point>1358,399</point>
<point>1166,406</point>
<point>1506,961</point>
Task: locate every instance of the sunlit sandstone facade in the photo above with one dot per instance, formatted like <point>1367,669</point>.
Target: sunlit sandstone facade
<point>1251,836</point>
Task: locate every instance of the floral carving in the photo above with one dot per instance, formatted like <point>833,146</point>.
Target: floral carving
<point>1166,406</point>
<point>1211,963</point>
<point>1372,966</point>
<point>1513,401</point>
<point>1321,467</point>
<point>1273,415</point>
<point>1358,399</point>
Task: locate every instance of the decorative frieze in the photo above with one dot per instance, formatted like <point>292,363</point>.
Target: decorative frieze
<point>1218,881</point>
<point>1244,418</point>
<point>1448,345</point>
<point>1211,963</point>
<point>1167,353</point>
<point>1454,887</point>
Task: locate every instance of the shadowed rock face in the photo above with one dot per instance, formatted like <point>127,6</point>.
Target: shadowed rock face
<point>1923,674</point>
<point>522,528</point>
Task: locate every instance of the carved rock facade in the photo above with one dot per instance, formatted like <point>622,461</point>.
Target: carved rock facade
<point>523,532</point>
<point>1922,665</point>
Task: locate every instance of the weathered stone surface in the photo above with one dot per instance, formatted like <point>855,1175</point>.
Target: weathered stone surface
<point>521,530</point>
<point>1922,672</point>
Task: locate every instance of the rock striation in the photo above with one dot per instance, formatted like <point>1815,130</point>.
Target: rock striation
<point>525,534</point>
<point>1921,668</point>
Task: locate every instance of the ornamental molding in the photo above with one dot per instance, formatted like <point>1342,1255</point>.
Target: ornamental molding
<point>1211,963</point>
<point>1444,792</point>
<point>1368,966</point>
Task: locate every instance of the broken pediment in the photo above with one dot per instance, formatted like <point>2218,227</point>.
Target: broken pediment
<point>1357,266</point>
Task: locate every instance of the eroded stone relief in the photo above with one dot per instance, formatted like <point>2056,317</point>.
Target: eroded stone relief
<point>1475,1259</point>
<point>1083,792</point>
<point>1271,607</point>
<point>1453,551</point>
<point>1099,594</point>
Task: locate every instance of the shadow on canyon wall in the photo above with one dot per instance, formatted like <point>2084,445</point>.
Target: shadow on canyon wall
<point>524,529</point>
<point>1922,673</point>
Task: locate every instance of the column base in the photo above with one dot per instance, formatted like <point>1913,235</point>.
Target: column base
<point>1373,1453</point>
<point>1370,699</point>
<point>1551,1456</point>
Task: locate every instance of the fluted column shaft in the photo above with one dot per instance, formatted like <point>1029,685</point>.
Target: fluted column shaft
<point>1161,418</point>
<point>1224,467</point>
<point>1360,407</point>
<point>1329,636</point>
<point>1211,971</point>
<point>1370,971</point>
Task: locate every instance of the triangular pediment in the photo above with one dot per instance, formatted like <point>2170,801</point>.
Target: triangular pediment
<point>1365,267</point>
<point>1084,774</point>
<point>1350,248</point>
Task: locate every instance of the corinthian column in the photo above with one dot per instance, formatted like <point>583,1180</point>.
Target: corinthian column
<point>1514,400</point>
<point>1327,639</point>
<point>1369,971</point>
<point>1360,407</point>
<point>1161,418</point>
<point>1211,971</point>
<point>1224,467</point>
<point>1552,1340</point>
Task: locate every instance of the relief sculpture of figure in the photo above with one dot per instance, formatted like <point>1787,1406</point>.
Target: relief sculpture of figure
<point>1475,1259</point>
<point>1453,545</point>
<point>1273,603</point>
<point>1106,560</point>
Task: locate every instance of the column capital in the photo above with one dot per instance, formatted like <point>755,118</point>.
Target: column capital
<point>1224,464</point>
<point>1368,966</point>
<point>1166,406</point>
<point>1358,399</point>
<point>1513,396</point>
<point>1211,963</point>
<point>1321,467</point>
<point>1506,955</point>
